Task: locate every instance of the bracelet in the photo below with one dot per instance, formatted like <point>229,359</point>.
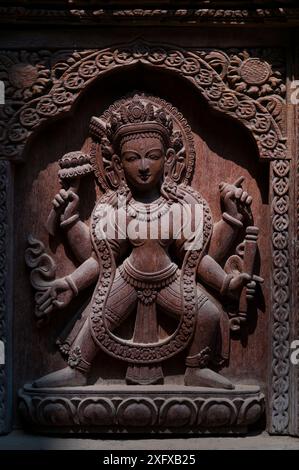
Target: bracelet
<point>72,285</point>
<point>231,220</point>
<point>70,220</point>
<point>226,283</point>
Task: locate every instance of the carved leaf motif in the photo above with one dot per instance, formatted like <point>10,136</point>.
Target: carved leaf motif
<point>280,258</point>
<point>281,294</point>
<point>190,66</point>
<point>281,186</point>
<point>174,59</point>
<point>123,56</point>
<point>281,332</point>
<point>29,117</point>
<point>261,123</point>
<point>281,312</point>
<point>281,167</point>
<point>281,276</point>
<point>280,240</point>
<point>219,61</point>
<point>246,110</point>
<point>280,204</point>
<point>46,107</point>
<point>157,55</point>
<point>88,69</point>
<point>269,140</point>
<point>228,101</point>
<point>280,222</point>
<point>16,133</point>
<point>104,59</point>
<point>73,82</point>
<point>281,387</point>
<point>204,78</point>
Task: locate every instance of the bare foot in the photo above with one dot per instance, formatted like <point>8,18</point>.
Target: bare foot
<point>206,378</point>
<point>66,377</point>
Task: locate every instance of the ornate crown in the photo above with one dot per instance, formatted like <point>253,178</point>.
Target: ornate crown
<point>132,117</point>
<point>135,115</point>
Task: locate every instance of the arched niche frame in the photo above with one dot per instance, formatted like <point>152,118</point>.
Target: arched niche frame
<point>88,66</point>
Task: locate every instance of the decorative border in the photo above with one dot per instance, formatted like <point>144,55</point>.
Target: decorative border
<point>280,288</point>
<point>87,66</point>
<point>158,411</point>
<point>295,427</point>
<point>297,266</point>
<point>142,15</point>
<point>4,297</point>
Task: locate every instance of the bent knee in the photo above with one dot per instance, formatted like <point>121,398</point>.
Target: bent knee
<point>210,311</point>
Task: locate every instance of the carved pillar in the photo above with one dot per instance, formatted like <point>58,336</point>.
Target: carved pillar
<point>5,296</point>
<point>294,330</point>
<point>280,331</point>
<point>295,428</point>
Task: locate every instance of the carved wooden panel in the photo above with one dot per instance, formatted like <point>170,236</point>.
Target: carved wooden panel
<point>49,92</point>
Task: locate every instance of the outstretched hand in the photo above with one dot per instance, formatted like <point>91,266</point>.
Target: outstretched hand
<point>235,199</point>
<point>57,296</point>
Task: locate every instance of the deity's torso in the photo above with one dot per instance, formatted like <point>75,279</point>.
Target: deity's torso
<point>147,236</point>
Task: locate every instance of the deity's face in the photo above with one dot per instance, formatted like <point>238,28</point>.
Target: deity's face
<point>143,162</point>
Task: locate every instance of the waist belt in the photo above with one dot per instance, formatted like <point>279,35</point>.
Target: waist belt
<point>142,280</point>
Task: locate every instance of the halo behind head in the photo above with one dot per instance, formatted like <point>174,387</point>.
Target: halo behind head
<point>136,115</point>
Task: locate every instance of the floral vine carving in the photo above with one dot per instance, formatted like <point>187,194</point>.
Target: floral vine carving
<point>261,115</point>
<point>256,73</point>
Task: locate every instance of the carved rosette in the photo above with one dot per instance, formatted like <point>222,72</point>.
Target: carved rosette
<point>138,409</point>
<point>256,73</point>
<point>281,296</point>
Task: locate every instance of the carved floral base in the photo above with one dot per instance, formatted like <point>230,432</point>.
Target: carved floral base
<point>151,409</point>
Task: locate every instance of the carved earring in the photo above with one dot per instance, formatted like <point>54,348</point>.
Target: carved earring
<point>169,163</point>
<point>118,170</point>
<point>115,161</point>
<point>115,173</point>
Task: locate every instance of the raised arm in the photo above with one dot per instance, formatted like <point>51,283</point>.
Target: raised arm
<point>236,203</point>
<point>223,237</point>
<point>76,231</point>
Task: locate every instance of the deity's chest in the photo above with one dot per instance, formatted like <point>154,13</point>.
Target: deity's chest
<point>161,222</point>
<point>140,224</point>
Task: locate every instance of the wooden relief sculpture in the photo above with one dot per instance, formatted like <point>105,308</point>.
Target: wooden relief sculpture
<point>146,163</point>
<point>151,249</point>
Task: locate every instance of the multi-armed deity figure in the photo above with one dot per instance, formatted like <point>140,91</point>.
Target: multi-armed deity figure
<point>138,254</point>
